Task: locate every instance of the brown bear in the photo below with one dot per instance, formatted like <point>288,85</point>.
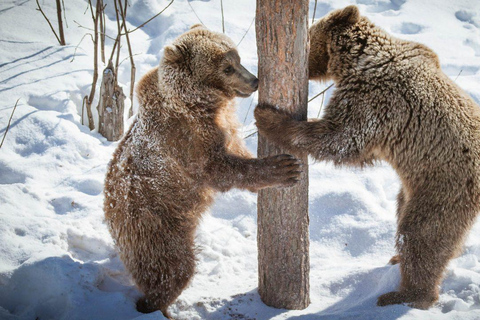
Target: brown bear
<point>181,149</point>
<point>393,102</point>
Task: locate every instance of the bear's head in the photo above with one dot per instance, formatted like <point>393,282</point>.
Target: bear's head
<point>208,61</point>
<point>321,35</point>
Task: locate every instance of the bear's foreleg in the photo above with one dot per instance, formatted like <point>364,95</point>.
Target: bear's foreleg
<point>323,139</point>
<point>226,171</point>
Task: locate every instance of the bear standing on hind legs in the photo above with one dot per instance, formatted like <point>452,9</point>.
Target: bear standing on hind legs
<point>393,102</point>
<point>181,149</point>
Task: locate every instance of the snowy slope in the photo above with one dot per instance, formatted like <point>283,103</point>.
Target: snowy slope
<point>57,259</point>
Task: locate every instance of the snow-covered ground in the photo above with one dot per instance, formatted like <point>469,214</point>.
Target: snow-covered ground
<point>57,259</point>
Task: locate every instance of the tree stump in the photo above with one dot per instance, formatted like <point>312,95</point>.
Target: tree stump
<point>110,106</point>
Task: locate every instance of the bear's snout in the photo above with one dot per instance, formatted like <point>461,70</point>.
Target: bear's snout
<point>254,84</point>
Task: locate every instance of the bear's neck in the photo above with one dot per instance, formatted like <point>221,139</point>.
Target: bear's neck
<point>167,94</point>
<point>179,88</point>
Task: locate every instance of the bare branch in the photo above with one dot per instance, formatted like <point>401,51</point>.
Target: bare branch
<point>78,45</point>
<point>250,135</point>
<point>321,105</point>
<point>126,58</point>
<point>90,29</point>
<point>64,14</point>
<point>323,91</point>
<point>102,33</point>
<point>223,19</point>
<point>119,38</point>
<point>91,9</point>
<point>314,10</point>
<point>9,121</point>
<point>60,22</point>
<point>51,27</point>
<point>251,101</point>
<point>83,107</point>
<point>458,75</point>
<point>143,24</point>
<point>195,13</point>
<point>91,123</point>
<point>251,23</point>
<point>132,63</point>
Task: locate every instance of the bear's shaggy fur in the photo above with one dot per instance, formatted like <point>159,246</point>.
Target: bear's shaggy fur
<point>392,102</point>
<point>181,149</point>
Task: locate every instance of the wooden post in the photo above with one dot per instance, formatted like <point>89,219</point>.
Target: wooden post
<point>283,237</point>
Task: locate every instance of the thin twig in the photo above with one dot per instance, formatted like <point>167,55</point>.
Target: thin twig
<point>136,54</point>
<point>83,107</point>
<point>102,33</point>
<point>251,102</point>
<point>90,29</point>
<point>195,13</point>
<point>91,123</point>
<point>114,47</point>
<point>132,63</point>
<point>314,10</point>
<point>223,19</point>
<point>251,134</point>
<point>91,9</point>
<point>458,75</point>
<point>251,23</point>
<point>321,105</point>
<point>51,27</point>
<point>143,24</point>
<point>119,37</point>
<point>321,92</point>
<point>78,45</point>
<point>64,14</point>
<point>9,121</point>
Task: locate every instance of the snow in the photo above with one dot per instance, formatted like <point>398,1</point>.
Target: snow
<point>57,259</point>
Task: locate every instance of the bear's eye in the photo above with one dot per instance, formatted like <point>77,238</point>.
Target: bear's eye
<point>228,70</point>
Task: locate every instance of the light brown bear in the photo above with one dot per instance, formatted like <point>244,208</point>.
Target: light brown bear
<point>181,149</point>
<point>393,102</point>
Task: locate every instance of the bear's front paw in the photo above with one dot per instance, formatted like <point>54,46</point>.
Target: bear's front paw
<point>269,118</point>
<point>144,306</point>
<point>282,170</point>
<point>416,299</point>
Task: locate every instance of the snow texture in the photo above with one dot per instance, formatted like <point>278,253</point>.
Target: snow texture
<point>57,259</point>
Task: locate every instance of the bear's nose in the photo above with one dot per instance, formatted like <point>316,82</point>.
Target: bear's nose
<point>255,83</point>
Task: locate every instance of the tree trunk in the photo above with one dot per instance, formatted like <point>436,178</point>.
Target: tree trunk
<point>283,237</point>
<point>111,106</point>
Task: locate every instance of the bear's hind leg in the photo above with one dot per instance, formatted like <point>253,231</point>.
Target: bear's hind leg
<point>427,239</point>
<point>161,260</point>
<point>400,208</point>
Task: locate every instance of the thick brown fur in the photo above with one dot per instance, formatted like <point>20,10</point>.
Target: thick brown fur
<point>181,149</point>
<point>393,102</point>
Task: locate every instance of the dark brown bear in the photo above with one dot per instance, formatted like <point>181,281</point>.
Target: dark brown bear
<point>181,149</point>
<point>393,102</point>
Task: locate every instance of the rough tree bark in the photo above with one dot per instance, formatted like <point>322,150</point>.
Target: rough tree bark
<point>110,106</point>
<point>283,238</point>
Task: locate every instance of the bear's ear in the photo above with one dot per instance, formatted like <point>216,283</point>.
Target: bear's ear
<point>173,54</point>
<point>197,25</point>
<point>344,17</point>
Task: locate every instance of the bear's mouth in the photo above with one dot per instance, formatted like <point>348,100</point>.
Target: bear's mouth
<point>242,94</point>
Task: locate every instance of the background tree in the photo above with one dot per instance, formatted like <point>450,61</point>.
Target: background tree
<point>283,238</point>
